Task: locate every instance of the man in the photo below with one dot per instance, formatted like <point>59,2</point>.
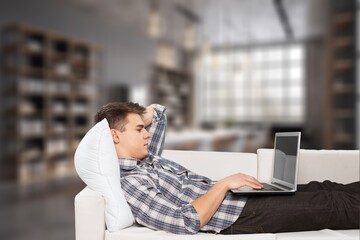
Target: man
<point>166,196</point>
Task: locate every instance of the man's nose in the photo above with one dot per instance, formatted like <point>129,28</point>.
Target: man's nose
<point>147,134</point>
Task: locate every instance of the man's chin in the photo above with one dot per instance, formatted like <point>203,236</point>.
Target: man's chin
<point>144,156</point>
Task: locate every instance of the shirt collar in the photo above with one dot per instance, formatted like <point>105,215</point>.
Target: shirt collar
<point>128,163</point>
<point>131,163</point>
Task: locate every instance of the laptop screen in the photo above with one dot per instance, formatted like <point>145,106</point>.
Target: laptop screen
<point>285,158</point>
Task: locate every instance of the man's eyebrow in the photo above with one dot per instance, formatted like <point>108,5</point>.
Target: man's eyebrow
<point>140,126</point>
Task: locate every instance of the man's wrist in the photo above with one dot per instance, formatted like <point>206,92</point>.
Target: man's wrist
<point>148,115</point>
<point>223,184</point>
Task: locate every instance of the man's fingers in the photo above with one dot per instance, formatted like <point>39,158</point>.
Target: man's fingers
<point>244,180</point>
<point>254,183</point>
<point>258,186</point>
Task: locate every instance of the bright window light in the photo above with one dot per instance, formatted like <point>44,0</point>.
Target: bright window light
<point>264,84</point>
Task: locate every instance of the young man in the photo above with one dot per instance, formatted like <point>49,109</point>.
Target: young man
<point>166,196</point>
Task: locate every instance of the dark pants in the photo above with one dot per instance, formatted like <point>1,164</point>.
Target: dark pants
<point>314,206</point>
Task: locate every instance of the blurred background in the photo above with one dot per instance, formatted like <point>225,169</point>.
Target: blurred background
<point>231,73</point>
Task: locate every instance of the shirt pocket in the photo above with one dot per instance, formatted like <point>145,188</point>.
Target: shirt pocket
<point>174,170</point>
<point>198,178</point>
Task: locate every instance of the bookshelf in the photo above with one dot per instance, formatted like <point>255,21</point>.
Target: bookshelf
<point>340,83</point>
<point>49,89</point>
<point>174,89</point>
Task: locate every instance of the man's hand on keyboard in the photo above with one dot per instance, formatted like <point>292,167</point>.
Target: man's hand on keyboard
<point>240,180</point>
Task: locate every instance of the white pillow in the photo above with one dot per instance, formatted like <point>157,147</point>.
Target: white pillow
<point>96,162</point>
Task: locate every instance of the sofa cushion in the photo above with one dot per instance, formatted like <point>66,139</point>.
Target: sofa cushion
<point>137,232</point>
<point>327,234</point>
<point>96,162</point>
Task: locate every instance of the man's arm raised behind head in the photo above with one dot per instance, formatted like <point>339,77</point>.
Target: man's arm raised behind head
<point>156,122</point>
<point>148,115</point>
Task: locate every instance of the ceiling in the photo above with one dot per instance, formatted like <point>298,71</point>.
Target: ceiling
<point>221,22</point>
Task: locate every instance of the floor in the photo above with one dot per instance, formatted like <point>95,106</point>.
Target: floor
<point>42,211</point>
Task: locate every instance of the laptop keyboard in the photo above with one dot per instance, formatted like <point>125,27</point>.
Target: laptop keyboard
<point>268,187</point>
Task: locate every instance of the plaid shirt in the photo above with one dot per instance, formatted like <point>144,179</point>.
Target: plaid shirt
<point>159,191</point>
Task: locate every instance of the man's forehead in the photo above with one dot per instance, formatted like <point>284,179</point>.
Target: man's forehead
<point>134,119</point>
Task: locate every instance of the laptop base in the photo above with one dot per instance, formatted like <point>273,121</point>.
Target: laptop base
<point>261,192</point>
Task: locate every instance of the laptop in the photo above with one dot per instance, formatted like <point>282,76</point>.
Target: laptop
<point>285,167</point>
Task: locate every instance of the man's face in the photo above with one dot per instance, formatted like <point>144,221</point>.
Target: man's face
<point>133,141</point>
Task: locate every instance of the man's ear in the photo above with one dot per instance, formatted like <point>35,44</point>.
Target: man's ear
<point>115,136</point>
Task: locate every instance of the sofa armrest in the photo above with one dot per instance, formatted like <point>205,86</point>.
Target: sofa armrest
<point>89,215</point>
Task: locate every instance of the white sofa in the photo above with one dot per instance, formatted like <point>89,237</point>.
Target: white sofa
<point>336,165</point>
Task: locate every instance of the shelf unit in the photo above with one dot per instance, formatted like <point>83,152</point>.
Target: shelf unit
<point>340,84</point>
<point>174,89</point>
<point>49,87</point>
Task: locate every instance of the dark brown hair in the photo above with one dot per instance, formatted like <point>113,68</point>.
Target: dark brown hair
<point>116,113</point>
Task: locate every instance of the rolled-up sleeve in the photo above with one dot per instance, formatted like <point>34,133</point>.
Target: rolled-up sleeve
<point>154,210</point>
<point>157,129</point>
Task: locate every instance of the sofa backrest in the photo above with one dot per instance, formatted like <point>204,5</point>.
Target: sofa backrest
<point>316,165</point>
<point>215,165</point>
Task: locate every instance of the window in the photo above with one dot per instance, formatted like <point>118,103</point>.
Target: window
<point>264,84</point>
